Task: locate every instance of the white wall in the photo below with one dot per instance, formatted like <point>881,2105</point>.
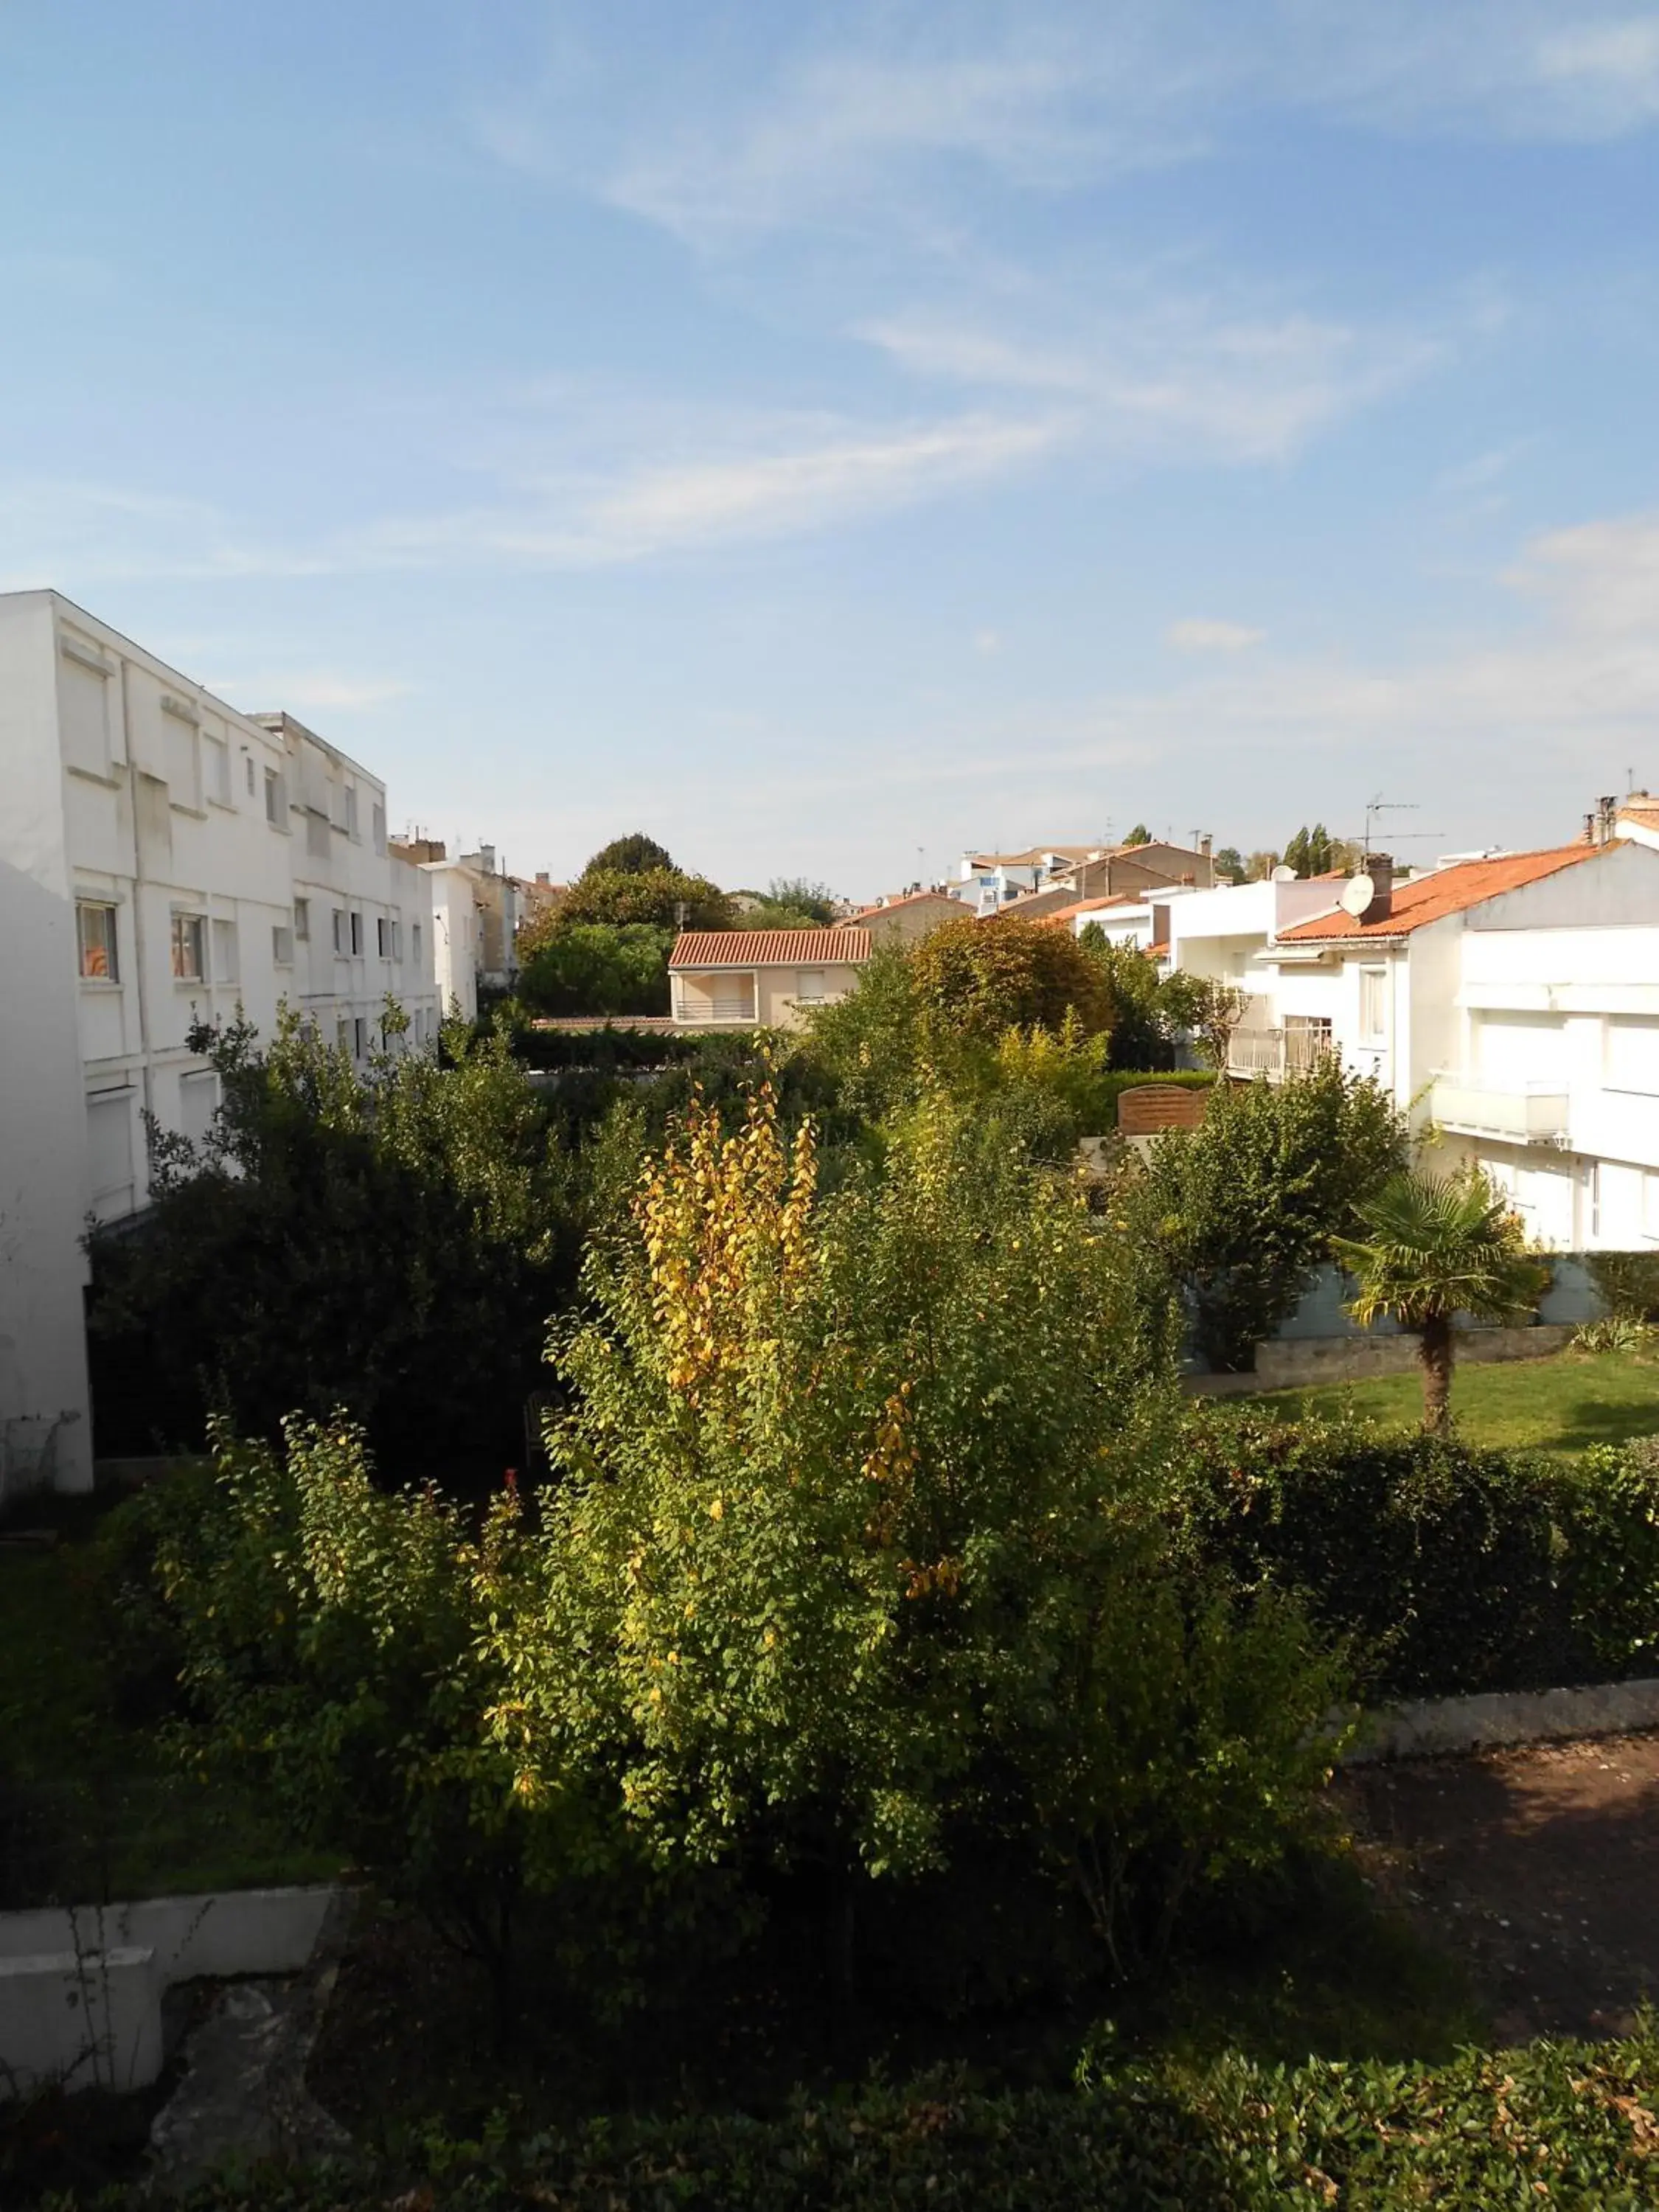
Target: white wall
<point>130,789</point>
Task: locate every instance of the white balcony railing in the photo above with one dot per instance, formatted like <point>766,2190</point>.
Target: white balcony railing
<point>1277,1053</point>
<point>1524,1114</point>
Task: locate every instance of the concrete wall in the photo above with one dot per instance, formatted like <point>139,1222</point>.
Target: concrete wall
<point>1292,1362</point>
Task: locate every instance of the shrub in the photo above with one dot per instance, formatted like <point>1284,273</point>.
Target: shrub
<point>391,1242</point>
<point>856,1540</point>
<point>1628,1283</point>
<point>1562,2124</point>
<point>1614,1332</point>
<point>1447,1570</point>
<point>588,967</point>
<point>1241,1211</point>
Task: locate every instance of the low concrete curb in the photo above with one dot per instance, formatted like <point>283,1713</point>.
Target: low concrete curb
<point>81,1986</point>
<point>1425,1727</point>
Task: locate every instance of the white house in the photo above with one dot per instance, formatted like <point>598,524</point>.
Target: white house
<point>162,858</point>
<point>1511,1001</point>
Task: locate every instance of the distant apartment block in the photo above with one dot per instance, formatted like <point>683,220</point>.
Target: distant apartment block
<point>163,858</point>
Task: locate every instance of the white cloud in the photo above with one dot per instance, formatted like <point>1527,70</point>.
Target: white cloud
<point>845,126</point>
<point>1197,634</point>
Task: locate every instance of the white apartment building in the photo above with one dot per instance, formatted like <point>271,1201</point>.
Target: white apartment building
<point>1511,1001</point>
<point>163,858</point>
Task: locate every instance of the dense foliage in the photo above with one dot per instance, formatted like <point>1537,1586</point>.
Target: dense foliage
<point>980,978</point>
<point>1241,1211</point>
<point>1442,1569</point>
<point>616,896</point>
<point>589,968</point>
<point>634,854</point>
<point>1565,2125</point>
<point>390,1242</point>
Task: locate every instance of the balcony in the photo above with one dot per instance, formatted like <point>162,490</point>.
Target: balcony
<point>1278,1053</point>
<point>1525,1113</point>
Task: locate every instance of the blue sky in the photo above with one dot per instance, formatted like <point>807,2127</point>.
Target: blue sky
<point>830,436</point>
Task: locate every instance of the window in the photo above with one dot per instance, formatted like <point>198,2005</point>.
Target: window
<point>357,936</point>
<point>83,707</point>
<point>109,1151</point>
<point>415,941</point>
<point>275,801</point>
<point>189,948</point>
<point>378,814</point>
<point>247,765</point>
<point>352,811</point>
<point>281,946</point>
<point>383,937</point>
<point>1374,1004</point>
<point>340,931</point>
<point>360,1036</point>
<point>224,952</point>
<point>95,926</point>
<point>216,754</point>
<point>1632,1054</point>
<point>342,1035</point>
<point>811,987</point>
<point>302,921</point>
<point>198,1095</point>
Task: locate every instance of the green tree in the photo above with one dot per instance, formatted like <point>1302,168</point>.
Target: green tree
<point>980,978</point>
<point>816,901</point>
<point>1141,835</point>
<point>1260,867</point>
<point>1137,1022</point>
<point>615,897</point>
<point>1241,1211</point>
<point>389,1240</point>
<point>587,967</point>
<point>1204,1006</point>
<point>1434,1247</point>
<point>636,854</point>
<point>1230,865</point>
<point>1311,852</point>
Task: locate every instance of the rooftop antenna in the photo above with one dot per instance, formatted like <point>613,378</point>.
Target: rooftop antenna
<point>1380,805</point>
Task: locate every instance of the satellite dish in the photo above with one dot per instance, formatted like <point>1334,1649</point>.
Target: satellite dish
<point>1281,874</point>
<point>1357,894</point>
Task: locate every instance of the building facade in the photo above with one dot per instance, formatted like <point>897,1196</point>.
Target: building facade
<point>164,859</point>
<point>762,978</point>
<point>1509,1005</point>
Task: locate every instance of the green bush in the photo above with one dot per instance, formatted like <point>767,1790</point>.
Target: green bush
<point>1240,1212</point>
<point>577,967</point>
<point>1628,1283</point>
<point>1565,2124</point>
<point>1446,1569</point>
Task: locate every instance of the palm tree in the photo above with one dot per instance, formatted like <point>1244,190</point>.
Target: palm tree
<point>1440,1245</point>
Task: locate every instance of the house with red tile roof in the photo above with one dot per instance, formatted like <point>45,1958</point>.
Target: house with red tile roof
<point>1509,1001</point>
<point>745,979</point>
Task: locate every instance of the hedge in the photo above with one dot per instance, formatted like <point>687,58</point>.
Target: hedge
<point>1563,2124</point>
<point>1450,1570</point>
<point>607,1046</point>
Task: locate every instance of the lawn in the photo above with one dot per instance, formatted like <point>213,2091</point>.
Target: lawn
<point>1561,1405</point>
<point>91,1805</point>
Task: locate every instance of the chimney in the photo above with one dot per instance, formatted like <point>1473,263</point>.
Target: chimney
<point>1379,866</point>
<point>541,877</point>
<point>1609,812</point>
<point>1589,829</point>
<point>487,859</point>
<point>1203,844</point>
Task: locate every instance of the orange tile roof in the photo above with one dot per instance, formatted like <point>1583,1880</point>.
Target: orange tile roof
<point>1432,897</point>
<point>911,898</point>
<point>1090,905</point>
<point>768,948</point>
<point>1159,951</point>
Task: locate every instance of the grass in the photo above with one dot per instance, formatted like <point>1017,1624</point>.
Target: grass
<point>1560,1406</point>
<point>92,1806</point>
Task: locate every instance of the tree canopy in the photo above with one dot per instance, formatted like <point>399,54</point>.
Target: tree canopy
<point>632,855</point>
<point>615,896</point>
<point>816,901</point>
<point>1141,835</point>
<point>983,977</point>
